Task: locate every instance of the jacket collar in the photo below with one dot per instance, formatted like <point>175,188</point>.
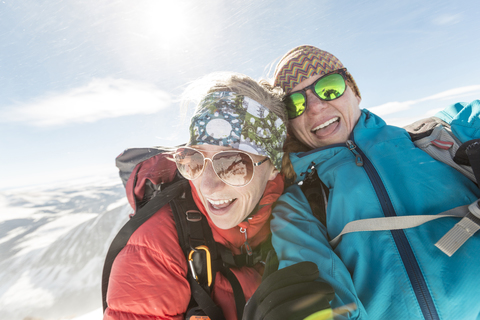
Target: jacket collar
<point>364,130</point>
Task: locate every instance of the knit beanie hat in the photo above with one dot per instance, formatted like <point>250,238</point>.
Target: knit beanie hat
<point>303,62</point>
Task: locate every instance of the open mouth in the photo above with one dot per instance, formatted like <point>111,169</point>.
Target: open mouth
<point>220,204</point>
<point>326,124</point>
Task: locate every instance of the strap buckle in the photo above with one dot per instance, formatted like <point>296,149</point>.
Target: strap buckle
<point>193,215</point>
<point>461,232</point>
<point>209,264</point>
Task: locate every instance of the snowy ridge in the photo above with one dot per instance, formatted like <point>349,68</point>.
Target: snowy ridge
<point>53,242</point>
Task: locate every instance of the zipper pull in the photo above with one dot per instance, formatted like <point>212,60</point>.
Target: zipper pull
<point>246,244</point>
<point>358,158</point>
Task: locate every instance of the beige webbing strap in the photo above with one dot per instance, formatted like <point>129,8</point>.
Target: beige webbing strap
<point>396,223</point>
<point>461,232</point>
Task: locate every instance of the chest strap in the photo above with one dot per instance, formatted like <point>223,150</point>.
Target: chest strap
<point>396,223</point>
<point>435,138</point>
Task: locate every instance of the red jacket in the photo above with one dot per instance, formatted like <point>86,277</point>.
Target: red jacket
<point>148,277</point>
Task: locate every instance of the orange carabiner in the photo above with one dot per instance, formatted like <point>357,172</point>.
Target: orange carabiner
<point>209,264</point>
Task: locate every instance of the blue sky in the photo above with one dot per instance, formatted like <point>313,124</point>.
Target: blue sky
<point>80,81</point>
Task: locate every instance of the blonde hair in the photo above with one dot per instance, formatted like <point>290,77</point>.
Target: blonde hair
<point>292,144</point>
<point>261,91</point>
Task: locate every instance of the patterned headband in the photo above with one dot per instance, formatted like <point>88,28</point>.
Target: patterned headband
<point>303,62</point>
<point>230,119</point>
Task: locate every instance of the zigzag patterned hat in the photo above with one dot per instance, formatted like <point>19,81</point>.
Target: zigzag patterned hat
<point>302,62</point>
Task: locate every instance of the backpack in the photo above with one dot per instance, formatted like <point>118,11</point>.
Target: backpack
<point>204,256</point>
<point>435,137</point>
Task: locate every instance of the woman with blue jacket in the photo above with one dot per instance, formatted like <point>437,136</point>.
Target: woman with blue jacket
<point>371,170</point>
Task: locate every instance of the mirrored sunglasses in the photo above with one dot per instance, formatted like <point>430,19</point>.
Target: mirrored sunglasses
<point>328,87</point>
<point>235,168</point>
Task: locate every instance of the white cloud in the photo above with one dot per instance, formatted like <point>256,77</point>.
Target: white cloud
<point>100,99</point>
<point>453,93</point>
<point>391,107</point>
<point>395,106</point>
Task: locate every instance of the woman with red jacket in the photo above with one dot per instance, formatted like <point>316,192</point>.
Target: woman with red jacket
<point>232,161</point>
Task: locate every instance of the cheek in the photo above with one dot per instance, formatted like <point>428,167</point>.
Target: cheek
<point>296,126</point>
<point>354,113</point>
<point>197,186</point>
<point>259,184</point>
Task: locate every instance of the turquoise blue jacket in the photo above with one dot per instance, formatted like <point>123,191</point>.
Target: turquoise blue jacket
<point>397,274</point>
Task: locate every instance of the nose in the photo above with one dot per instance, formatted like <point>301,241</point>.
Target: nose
<point>210,181</point>
<point>314,104</point>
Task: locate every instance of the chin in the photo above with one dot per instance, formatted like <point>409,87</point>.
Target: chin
<point>224,225</point>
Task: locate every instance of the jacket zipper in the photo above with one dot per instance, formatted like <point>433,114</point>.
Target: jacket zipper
<point>358,158</point>
<point>246,245</point>
<point>406,253</point>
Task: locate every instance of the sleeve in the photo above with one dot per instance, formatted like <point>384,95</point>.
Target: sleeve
<point>464,119</point>
<point>298,236</point>
<point>148,278</point>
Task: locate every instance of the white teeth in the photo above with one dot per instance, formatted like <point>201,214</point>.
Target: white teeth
<point>219,202</point>
<point>327,123</point>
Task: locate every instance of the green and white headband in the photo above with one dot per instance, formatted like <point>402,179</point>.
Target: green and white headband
<point>229,119</point>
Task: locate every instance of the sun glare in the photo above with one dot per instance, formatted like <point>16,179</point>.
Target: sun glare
<point>165,22</point>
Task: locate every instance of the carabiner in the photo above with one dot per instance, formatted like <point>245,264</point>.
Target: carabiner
<point>209,263</point>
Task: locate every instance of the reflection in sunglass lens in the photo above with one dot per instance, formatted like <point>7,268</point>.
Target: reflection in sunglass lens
<point>189,162</point>
<point>235,168</point>
<point>295,104</point>
<point>330,87</point>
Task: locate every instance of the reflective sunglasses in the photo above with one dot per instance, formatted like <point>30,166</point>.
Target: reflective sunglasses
<point>235,168</point>
<point>328,87</point>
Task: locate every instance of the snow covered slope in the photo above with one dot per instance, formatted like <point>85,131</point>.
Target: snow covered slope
<point>53,241</point>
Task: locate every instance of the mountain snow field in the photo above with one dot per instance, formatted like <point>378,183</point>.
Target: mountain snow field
<point>53,242</point>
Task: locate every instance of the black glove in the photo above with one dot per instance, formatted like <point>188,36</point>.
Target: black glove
<point>290,293</point>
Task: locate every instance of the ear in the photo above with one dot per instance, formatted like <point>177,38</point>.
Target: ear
<point>273,173</point>
<point>358,99</point>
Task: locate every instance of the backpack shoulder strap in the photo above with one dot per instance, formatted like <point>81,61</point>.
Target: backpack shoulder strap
<point>196,240</point>
<point>424,127</point>
<point>434,136</point>
<point>317,195</point>
<point>133,224</point>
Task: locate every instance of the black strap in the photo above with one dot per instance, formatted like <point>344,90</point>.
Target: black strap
<point>473,153</point>
<point>129,228</point>
<point>191,233</point>
<point>259,254</point>
<point>237,292</point>
<point>204,301</point>
<point>193,230</point>
<point>317,194</point>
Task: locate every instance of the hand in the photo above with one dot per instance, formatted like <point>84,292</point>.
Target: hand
<point>290,293</point>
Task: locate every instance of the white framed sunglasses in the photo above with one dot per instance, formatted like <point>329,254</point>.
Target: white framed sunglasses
<point>235,168</point>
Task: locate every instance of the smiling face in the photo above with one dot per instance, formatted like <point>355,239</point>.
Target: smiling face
<point>227,206</point>
<point>325,122</point>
